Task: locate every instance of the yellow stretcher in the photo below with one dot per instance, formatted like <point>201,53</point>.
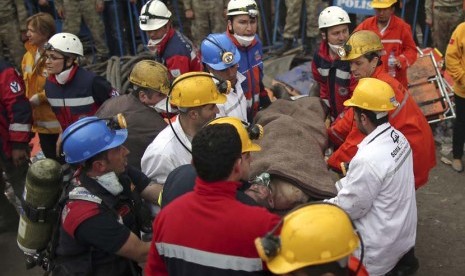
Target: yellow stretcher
<point>428,87</point>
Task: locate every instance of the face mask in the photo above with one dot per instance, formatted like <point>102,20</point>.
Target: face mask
<point>334,47</point>
<point>244,40</point>
<point>152,44</point>
<point>110,182</point>
<point>62,78</point>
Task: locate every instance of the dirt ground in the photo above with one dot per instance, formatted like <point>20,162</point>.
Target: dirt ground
<point>440,240</point>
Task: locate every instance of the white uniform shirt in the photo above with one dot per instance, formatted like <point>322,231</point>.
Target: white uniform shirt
<point>166,153</point>
<point>236,103</point>
<point>379,195</point>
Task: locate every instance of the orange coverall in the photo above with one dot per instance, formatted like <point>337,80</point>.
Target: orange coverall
<point>407,118</point>
<point>397,38</point>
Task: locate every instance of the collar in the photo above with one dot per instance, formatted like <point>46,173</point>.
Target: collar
<point>219,188</point>
<point>74,69</point>
<point>181,134</point>
<point>169,34</point>
<point>387,25</point>
<point>374,134</point>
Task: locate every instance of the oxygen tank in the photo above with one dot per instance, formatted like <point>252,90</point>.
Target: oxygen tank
<point>41,193</point>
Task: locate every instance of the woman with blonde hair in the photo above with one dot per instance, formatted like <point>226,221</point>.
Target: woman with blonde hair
<point>40,27</point>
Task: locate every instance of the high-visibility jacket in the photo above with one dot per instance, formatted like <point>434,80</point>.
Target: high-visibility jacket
<point>407,118</point>
<point>15,111</point>
<point>35,75</point>
<point>397,37</point>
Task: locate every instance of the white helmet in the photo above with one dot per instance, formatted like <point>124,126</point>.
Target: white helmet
<point>153,15</point>
<point>65,43</point>
<point>332,16</point>
<point>237,7</point>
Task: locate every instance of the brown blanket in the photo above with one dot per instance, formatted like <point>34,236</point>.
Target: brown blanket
<point>292,152</point>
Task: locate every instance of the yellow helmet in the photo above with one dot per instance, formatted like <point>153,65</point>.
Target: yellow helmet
<point>246,132</point>
<point>360,43</point>
<point>195,89</point>
<point>312,235</point>
<point>382,4</point>
<point>373,94</point>
<point>152,75</point>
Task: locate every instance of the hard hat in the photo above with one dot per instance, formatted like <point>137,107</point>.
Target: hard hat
<point>65,43</point>
<point>152,75</point>
<point>219,52</point>
<point>195,89</point>
<point>244,132</point>
<point>360,43</point>
<point>89,136</point>
<point>312,235</point>
<point>153,15</point>
<point>332,16</point>
<point>237,7</point>
<point>373,94</point>
<point>382,4</point>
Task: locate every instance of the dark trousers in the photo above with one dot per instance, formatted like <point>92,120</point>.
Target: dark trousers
<point>458,137</point>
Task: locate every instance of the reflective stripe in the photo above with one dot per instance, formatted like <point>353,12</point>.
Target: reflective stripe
<point>209,259</point>
<point>341,74</point>
<point>71,102</point>
<point>28,69</point>
<point>401,105</point>
<point>336,135</point>
<point>398,41</point>
<point>234,105</point>
<point>323,72</point>
<point>48,124</point>
<point>256,100</point>
<point>20,127</point>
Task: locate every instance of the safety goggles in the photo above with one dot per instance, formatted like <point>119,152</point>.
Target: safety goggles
<point>252,10</point>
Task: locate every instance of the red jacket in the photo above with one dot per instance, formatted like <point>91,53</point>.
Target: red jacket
<point>396,38</point>
<point>178,54</point>
<point>208,232</point>
<point>15,111</point>
<point>335,80</point>
<point>407,118</point>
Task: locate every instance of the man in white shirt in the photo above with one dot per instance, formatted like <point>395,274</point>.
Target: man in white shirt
<point>378,191</point>
<point>221,58</point>
<point>195,95</point>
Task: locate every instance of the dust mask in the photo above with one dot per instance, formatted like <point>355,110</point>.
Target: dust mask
<point>110,182</point>
<point>244,40</point>
<point>334,47</point>
<point>152,44</point>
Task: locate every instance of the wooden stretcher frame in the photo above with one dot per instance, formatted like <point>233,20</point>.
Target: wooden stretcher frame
<point>429,89</point>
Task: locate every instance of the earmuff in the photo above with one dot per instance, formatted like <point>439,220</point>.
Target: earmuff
<point>226,56</point>
<point>114,123</point>
<point>269,245</point>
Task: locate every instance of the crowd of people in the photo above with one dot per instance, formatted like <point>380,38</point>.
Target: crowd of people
<point>177,168</point>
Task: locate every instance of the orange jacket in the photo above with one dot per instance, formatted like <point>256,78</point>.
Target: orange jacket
<point>34,77</point>
<point>407,118</point>
<point>396,38</point>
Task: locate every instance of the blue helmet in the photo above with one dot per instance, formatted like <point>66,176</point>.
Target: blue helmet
<point>88,137</point>
<point>219,52</point>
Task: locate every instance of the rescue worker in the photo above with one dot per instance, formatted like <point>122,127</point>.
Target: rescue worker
<point>207,16</point>
<point>142,107</point>
<point>329,230</point>
<point>455,66</point>
<point>335,84</point>
<point>221,239</point>
<point>291,28</point>
<point>221,58</point>
<point>364,50</point>
<point>380,183</point>
<point>40,28</point>
<point>72,91</point>
<point>195,95</point>
<point>100,222</point>
<point>13,15</point>
<point>396,36</point>
<point>170,47</point>
<point>242,30</point>
<point>443,16</point>
<point>15,134</point>
<point>182,179</point>
<point>74,12</point>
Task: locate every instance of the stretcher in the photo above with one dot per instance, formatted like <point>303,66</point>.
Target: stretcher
<point>428,87</point>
